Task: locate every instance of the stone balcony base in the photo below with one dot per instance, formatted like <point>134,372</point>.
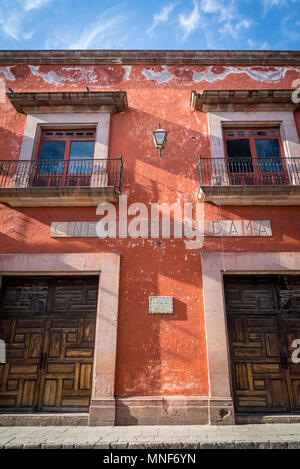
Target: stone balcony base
<point>57,196</point>
<point>251,195</point>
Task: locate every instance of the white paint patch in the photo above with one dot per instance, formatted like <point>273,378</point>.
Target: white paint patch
<point>51,77</point>
<point>258,75</point>
<point>2,90</point>
<point>127,71</point>
<point>82,74</point>
<point>7,73</point>
<point>160,77</point>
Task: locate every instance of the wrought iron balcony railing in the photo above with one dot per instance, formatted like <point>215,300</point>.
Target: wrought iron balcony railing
<point>62,173</point>
<point>246,171</point>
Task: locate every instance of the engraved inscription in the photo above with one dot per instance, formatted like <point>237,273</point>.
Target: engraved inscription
<point>160,304</point>
<point>241,228</point>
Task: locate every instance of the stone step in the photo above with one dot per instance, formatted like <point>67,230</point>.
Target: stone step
<point>43,419</point>
<point>243,419</point>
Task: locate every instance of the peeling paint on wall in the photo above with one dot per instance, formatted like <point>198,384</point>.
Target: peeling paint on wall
<point>127,71</point>
<point>82,74</point>
<point>50,77</point>
<point>160,77</point>
<point>259,75</point>
<point>8,74</point>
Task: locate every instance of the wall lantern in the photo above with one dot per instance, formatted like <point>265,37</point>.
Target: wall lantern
<point>160,138</point>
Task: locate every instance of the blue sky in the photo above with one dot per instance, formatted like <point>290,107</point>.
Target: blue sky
<point>133,24</point>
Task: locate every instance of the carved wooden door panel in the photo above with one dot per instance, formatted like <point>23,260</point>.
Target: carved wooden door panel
<point>290,331</point>
<point>257,362</point>
<point>289,322</point>
<point>20,375</point>
<point>48,325</point>
<point>67,365</point>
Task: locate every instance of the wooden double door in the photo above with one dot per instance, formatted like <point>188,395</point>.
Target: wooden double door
<point>263,315</point>
<point>48,324</point>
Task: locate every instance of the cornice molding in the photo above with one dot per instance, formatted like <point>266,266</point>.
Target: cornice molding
<point>151,57</point>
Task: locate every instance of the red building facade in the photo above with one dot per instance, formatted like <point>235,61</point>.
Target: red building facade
<point>76,315</point>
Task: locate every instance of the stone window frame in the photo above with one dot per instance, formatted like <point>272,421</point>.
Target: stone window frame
<point>36,122</point>
<point>285,120</point>
<point>102,409</point>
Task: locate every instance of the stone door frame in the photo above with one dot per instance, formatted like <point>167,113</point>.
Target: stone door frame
<point>107,266</point>
<point>214,266</point>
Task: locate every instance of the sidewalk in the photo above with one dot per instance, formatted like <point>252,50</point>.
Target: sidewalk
<point>153,437</point>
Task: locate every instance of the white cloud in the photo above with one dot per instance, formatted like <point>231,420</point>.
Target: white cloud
<point>98,29</point>
<point>190,22</point>
<point>10,24</point>
<point>107,32</point>
<point>268,4</point>
<point>34,4</point>
<point>233,29</point>
<point>225,11</point>
<point>273,3</point>
<point>12,19</point>
<point>161,17</point>
<point>258,45</point>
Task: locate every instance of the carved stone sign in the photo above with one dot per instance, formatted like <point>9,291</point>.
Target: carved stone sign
<point>73,229</point>
<point>79,229</point>
<point>160,304</point>
<point>238,228</point>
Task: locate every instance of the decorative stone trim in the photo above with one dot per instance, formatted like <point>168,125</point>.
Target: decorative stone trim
<point>107,266</point>
<point>214,266</point>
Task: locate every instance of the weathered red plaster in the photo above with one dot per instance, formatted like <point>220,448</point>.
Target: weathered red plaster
<point>156,355</point>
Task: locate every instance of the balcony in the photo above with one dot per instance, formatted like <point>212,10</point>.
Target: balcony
<point>74,182</point>
<point>250,181</point>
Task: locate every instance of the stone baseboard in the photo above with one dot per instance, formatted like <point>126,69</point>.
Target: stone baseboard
<point>221,411</point>
<point>173,410</point>
<point>102,412</point>
<point>43,419</point>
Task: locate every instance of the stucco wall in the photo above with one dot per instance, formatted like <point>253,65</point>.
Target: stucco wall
<point>156,355</point>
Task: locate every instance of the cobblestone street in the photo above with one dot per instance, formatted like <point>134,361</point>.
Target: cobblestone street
<point>262,436</point>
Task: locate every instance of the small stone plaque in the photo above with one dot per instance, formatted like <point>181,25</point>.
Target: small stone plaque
<point>160,304</point>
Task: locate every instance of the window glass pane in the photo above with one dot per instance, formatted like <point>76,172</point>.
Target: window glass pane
<point>268,154</point>
<point>51,153</point>
<point>83,151</point>
<point>239,156</point>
